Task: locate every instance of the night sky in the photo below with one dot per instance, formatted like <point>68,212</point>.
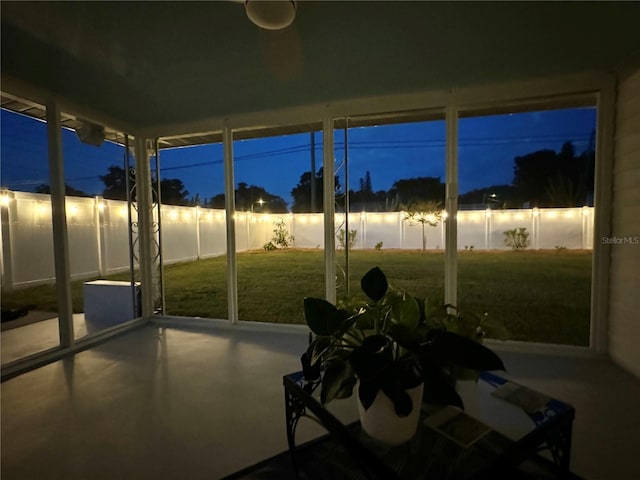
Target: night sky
<point>487,147</point>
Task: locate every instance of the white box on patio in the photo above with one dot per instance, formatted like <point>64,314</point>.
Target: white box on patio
<point>108,303</point>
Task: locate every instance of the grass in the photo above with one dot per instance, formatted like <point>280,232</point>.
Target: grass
<point>541,296</point>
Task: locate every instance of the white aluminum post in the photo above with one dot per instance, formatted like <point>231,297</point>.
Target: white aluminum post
<point>487,228</point>
<point>59,225</point>
<point>100,234</point>
<point>146,245</point>
<point>451,207</point>
<point>599,334</point>
<point>329,208</point>
<point>230,207</point>
<point>198,253</point>
<point>7,203</point>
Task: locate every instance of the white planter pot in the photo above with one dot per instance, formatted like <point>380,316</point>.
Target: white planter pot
<point>381,422</point>
<point>468,391</point>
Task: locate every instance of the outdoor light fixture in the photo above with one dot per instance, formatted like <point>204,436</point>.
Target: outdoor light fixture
<point>271,14</point>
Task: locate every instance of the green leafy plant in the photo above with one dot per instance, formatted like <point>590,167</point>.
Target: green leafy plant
<point>341,238</point>
<point>281,237</point>
<point>387,343</point>
<point>269,246</point>
<point>517,239</point>
<point>378,246</point>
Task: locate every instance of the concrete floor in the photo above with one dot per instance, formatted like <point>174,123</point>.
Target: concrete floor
<point>37,336</point>
<point>165,403</point>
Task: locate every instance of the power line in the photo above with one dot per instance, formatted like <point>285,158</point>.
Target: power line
<point>355,145</point>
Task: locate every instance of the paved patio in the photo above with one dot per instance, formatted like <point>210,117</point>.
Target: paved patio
<point>204,402</point>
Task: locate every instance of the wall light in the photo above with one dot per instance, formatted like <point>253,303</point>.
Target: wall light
<point>585,211</point>
<point>4,200</point>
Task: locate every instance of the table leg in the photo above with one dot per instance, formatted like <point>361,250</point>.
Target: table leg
<point>293,411</point>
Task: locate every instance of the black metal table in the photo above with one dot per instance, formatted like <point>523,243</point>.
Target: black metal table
<point>521,425</point>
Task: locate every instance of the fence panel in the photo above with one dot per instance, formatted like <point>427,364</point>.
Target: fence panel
<point>99,242</point>
<point>308,230</point>
<point>114,232</point>
<point>179,229</point>
<point>31,240</point>
<point>83,237</point>
<point>213,239</point>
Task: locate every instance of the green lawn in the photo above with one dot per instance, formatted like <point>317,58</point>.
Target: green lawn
<point>541,296</point>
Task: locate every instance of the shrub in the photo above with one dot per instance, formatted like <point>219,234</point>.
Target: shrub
<point>517,239</point>
<point>352,237</point>
<point>281,237</point>
<point>379,245</point>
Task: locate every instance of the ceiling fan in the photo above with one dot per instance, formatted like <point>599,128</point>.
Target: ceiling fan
<point>271,14</point>
<point>279,38</point>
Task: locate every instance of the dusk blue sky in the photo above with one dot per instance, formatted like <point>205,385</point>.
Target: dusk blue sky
<point>486,150</point>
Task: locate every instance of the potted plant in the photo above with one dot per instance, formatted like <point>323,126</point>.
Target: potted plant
<point>386,347</point>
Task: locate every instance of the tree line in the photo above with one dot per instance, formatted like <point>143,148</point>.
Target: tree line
<point>543,178</point>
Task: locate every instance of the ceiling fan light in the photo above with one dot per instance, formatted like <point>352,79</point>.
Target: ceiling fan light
<point>271,14</point>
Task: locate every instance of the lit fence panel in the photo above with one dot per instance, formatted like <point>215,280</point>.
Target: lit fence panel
<point>179,234</point>
<point>30,238</point>
<point>82,228</point>
<point>308,230</point>
<point>98,233</point>
<point>114,231</point>
<point>212,232</point>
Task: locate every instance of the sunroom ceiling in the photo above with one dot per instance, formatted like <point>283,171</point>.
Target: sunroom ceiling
<point>157,66</point>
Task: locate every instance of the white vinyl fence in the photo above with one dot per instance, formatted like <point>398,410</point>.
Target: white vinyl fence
<point>99,241</point>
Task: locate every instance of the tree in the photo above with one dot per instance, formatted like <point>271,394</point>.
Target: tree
<point>415,190</point>
<point>172,191</point>
<point>548,179</point>
<point>301,193</point>
<point>425,213</point>
<point>365,184</point>
<point>115,183</point>
<point>69,190</point>
<point>495,196</point>
<point>254,199</point>
<point>365,198</point>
